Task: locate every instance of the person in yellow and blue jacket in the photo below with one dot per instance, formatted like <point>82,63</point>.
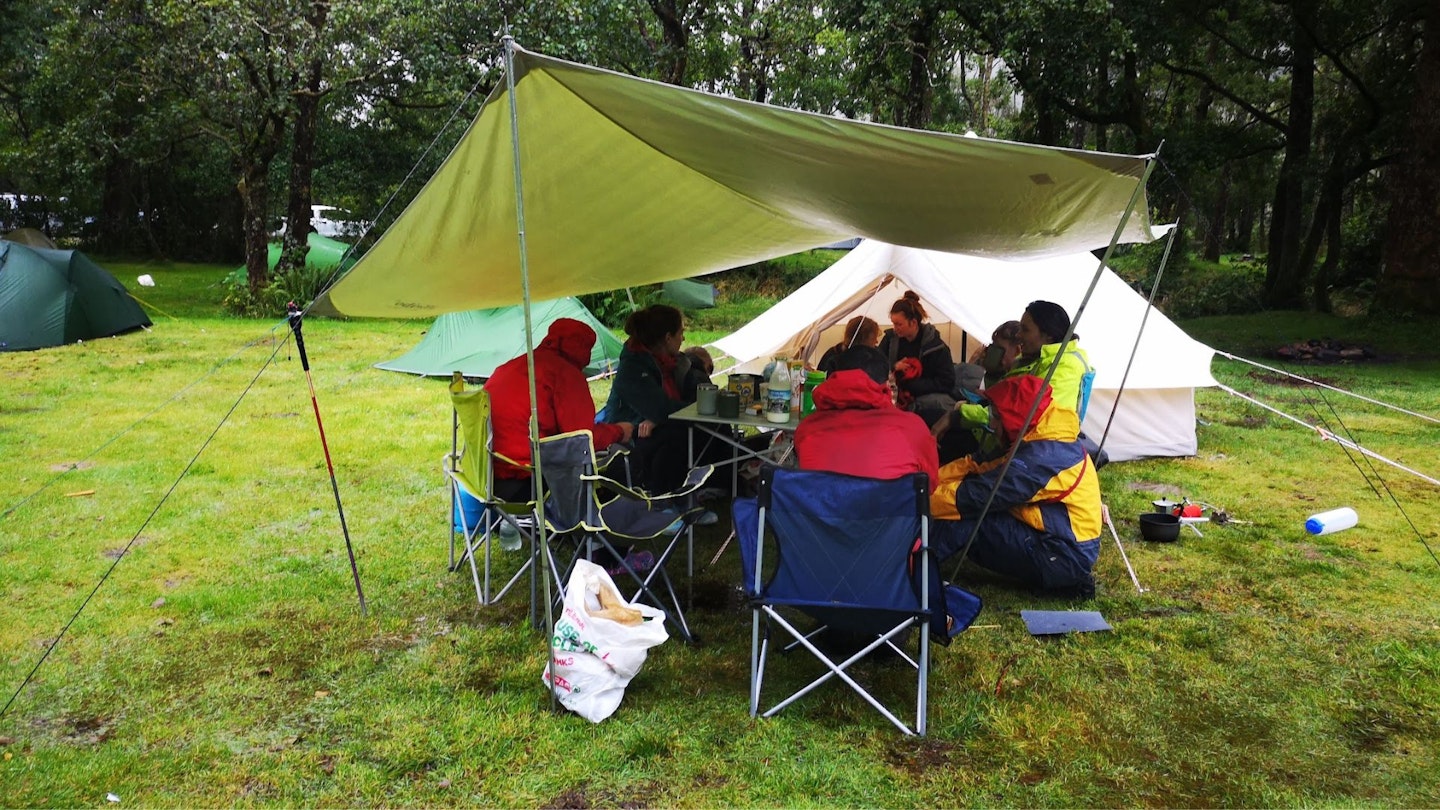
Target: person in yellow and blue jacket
<point>1043,528</point>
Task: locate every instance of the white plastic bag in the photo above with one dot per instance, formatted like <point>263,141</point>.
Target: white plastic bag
<point>599,644</point>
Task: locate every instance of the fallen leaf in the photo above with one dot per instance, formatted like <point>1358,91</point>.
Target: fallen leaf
<point>444,783</point>
<point>266,672</point>
<point>7,740</point>
<point>158,603</point>
<point>321,693</point>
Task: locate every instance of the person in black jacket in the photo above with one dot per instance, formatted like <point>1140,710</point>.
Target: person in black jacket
<point>924,368</point>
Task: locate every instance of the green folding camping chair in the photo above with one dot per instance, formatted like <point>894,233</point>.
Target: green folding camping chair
<point>477,515</point>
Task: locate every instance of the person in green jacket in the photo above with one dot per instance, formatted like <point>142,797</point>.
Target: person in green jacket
<point>1042,327</point>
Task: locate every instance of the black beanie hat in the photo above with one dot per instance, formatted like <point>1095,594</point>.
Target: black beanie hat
<point>1049,318</point>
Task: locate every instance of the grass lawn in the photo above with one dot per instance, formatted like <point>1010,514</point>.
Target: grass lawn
<point>224,661</point>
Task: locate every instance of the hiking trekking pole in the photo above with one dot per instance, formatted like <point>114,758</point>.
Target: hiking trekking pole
<point>295,317</point>
<point>1105,512</point>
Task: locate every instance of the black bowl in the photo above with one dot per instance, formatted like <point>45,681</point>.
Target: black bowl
<point>1159,528</point>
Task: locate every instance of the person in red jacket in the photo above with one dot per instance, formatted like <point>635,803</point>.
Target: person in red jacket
<point>564,398</point>
<point>856,428</point>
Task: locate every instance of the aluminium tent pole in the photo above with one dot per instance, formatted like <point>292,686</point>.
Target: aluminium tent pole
<point>1149,307</point>
<point>536,477</point>
<point>1135,195</point>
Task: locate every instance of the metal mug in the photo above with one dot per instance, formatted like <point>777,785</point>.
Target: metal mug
<point>705,395</point>
<point>727,404</point>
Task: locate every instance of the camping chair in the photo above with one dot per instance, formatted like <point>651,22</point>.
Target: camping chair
<point>471,473</point>
<point>587,513</point>
<point>845,552</point>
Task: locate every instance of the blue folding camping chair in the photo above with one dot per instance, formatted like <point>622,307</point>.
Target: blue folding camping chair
<point>852,553</point>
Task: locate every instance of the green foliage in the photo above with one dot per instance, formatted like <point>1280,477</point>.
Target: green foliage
<point>300,285</point>
<point>613,307</point>
<point>1192,287</point>
<point>775,277</point>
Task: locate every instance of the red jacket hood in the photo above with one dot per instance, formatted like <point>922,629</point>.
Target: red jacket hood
<point>851,388</point>
<point>571,339</point>
<point>1012,398</point>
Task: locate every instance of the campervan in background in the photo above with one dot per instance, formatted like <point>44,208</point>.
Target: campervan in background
<point>331,222</point>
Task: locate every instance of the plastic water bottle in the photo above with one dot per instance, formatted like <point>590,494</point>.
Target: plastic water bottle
<point>509,536</point>
<point>1333,521</point>
<point>777,403</point>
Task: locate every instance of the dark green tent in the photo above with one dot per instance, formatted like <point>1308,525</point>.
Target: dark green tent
<point>51,297</point>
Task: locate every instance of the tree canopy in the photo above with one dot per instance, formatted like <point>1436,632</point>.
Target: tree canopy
<point>1302,132</point>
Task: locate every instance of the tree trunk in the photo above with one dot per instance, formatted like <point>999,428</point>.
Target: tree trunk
<point>1410,274</point>
<point>1332,190</point>
<point>988,70</point>
<point>117,206</point>
<point>917,84</point>
<point>1219,211</point>
<point>1244,232</point>
<point>302,152</point>
<point>302,171</point>
<point>1285,275</point>
<point>675,56</point>
<point>254,191</point>
<point>1320,298</point>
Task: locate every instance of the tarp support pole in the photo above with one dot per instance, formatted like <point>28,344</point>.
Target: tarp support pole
<point>536,477</point>
<point>1149,307</point>
<point>296,318</point>
<point>1135,195</point>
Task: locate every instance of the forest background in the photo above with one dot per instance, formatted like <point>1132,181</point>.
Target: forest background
<point>1300,136</point>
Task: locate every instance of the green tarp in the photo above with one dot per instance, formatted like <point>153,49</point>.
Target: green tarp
<point>630,182</point>
<point>476,342</point>
<point>52,297</point>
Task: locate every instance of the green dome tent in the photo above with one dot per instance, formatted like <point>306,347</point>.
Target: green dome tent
<point>474,343</point>
<point>52,297</point>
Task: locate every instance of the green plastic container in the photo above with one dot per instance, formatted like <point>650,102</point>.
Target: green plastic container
<point>807,402</point>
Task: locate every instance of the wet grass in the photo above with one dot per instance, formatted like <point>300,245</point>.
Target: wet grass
<point>224,661</point>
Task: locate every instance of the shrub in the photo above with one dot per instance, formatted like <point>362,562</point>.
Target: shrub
<point>1193,287</point>
<point>300,285</point>
<point>612,307</point>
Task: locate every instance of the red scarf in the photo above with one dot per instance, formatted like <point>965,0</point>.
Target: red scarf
<point>666,361</point>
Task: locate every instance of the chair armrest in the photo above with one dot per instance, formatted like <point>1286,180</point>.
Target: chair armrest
<point>693,482</point>
<point>524,465</point>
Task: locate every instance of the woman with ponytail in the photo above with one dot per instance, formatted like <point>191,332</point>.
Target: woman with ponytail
<point>920,358</point>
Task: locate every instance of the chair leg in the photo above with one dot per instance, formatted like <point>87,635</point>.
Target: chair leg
<point>469,555</point>
<point>673,611</point>
<point>835,670</point>
<point>758,650</point>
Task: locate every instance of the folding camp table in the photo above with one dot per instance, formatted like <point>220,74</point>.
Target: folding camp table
<point>721,428</point>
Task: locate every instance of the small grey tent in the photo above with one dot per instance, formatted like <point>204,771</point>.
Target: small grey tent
<point>476,342</point>
<point>52,297</point>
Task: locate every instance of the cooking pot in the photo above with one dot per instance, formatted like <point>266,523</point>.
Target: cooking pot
<point>1160,528</point>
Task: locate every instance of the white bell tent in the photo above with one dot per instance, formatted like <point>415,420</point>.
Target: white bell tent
<point>968,296</point>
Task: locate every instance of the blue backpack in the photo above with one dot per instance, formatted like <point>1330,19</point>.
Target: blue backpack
<point>1087,382</point>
